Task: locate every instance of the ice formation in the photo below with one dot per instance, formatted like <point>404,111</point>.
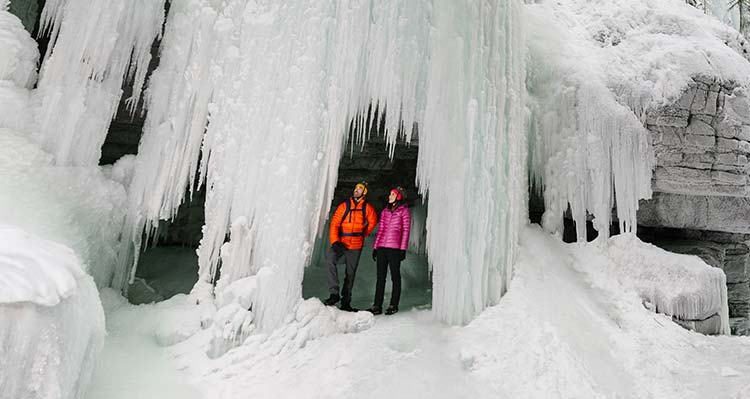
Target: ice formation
<point>595,71</point>
<point>682,286</point>
<point>18,58</point>
<point>18,52</point>
<point>93,48</point>
<point>54,267</point>
<point>77,207</point>
<point>52,320</point>
<point>254,100</point>
<point>284,83</point>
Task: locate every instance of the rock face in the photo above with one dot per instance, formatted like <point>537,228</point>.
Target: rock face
<point>702,142</point>
<point>701,201</point>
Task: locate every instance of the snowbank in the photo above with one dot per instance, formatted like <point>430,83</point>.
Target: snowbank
<point>51,320</point>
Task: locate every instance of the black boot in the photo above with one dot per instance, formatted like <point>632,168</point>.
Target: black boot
<point>347,307</point>
<point>332,300</point>
<point>391,310</point>
<point>375,309</point>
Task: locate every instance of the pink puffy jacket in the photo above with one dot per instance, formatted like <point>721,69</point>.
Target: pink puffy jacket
<point>393,231</point>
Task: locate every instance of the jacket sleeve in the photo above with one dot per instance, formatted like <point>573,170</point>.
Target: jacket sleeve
<point>405,229</point>
<point>379,235</point>
<point>333,230</point>
<point>372,219</point>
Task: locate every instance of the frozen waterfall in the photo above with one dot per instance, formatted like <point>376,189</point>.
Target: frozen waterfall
<point>255,100</point>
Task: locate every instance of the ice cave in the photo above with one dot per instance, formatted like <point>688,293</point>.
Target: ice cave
<point>208,199</point>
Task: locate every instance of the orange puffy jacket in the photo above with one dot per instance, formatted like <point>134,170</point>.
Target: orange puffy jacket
<point>352,229</point>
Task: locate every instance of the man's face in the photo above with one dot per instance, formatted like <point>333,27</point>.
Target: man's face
<point>357,191</point>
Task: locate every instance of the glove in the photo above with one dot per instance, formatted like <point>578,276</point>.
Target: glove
<point>403,254</point>
<point>375,254</point>
<point>338,247</point>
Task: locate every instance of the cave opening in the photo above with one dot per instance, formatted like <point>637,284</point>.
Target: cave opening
<point>367,159</point>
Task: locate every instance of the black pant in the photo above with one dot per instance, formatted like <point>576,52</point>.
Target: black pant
<point>388,257</point>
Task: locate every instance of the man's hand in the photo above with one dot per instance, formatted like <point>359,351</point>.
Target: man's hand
<point>403,254</point>
<point>375,254</point>
<point>338,247</point>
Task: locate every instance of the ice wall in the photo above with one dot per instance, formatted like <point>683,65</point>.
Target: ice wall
<point>280,84</point>
<point>94,47</point>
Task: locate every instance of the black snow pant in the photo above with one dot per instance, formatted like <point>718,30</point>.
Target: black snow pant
<point>351,256</point>
<point>388,257</point>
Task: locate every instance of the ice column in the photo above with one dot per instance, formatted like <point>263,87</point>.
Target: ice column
<point>94,45</point>
<point>472,154</point>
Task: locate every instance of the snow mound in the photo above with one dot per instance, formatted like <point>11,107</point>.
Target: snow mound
<point>51,319</point>
<point>682,286</point>
<point>35,270</point>
<point>233,322</point>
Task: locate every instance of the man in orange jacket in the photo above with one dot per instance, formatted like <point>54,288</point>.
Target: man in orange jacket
<point>353,220</point>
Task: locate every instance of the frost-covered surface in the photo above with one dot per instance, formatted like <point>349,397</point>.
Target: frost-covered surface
<point>35,270</point>
<point>283,81</point>
<point>51,320</point>
<point>18,58</point>
<point>94,46</point>
<point>77,207</point>
<point>18,51</point>
<point>677,285</point>
<point>131,364</point>
<point>601,66</point>
<point>567,328</point>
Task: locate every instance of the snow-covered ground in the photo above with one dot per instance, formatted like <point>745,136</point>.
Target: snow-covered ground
<point>566,329</point>
<point>131,364</point>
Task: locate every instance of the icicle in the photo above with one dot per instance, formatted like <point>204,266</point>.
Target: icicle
<point>284,83</point>
<point>86,63</point>
<point>472,160</point>
<point>588,151</point>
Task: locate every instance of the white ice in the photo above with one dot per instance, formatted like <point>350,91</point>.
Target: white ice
<point>51,318</point>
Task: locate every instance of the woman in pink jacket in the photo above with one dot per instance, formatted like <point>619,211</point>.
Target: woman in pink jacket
<point>390,248</point>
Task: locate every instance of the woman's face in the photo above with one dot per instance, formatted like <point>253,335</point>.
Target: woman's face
<point>392,198</point>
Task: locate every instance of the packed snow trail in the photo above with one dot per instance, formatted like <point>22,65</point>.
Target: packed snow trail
<point>132,365</point>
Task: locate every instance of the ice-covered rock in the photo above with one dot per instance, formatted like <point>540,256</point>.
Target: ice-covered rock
<point>680,286</point>
<point>51,319</point>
